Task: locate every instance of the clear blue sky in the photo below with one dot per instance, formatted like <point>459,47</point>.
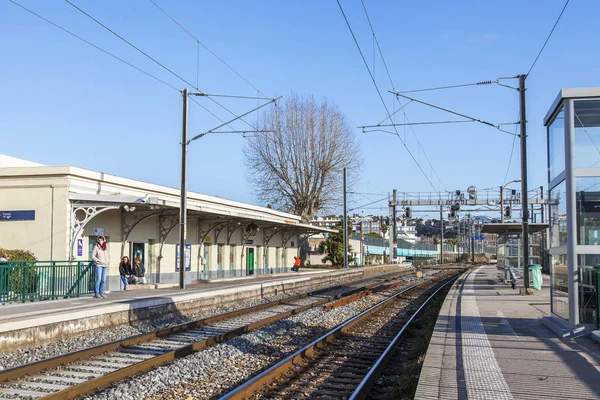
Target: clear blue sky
<point>64,102</point>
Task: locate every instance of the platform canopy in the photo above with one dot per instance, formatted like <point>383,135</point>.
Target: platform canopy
<point>511,228</point>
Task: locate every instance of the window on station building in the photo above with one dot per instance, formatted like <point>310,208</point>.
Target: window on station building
<point>220,255</point>
<point>232,257</point>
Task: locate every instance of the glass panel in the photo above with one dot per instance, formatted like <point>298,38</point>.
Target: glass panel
<point>588,210</point>
<point>586,264</point>
<point>558,215</point>
<point>556,145</point>
<point>560,286</point>
<point>231,257</point>
<point>586,120</point>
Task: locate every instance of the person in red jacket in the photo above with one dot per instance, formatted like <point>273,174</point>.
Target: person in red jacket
<point>296,266</point>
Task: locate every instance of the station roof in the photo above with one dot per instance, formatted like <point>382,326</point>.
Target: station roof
<point>93,187</point>
<point>511,228</point>
<point>570,93</point>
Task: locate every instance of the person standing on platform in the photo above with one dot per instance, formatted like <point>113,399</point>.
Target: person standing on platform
<point>139,270</point>
<point>101,258</point>
<point>296,266</point>
<point>125,271</point>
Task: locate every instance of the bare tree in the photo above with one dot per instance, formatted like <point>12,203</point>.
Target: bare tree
<point>297,166</point>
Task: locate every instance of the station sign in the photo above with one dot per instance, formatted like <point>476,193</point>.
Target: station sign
<point>21,215</point>
<point>188,257</point>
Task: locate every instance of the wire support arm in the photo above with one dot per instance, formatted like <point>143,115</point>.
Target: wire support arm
<point>232,120</point>
<point>482,83</point>
<point>231,96</point>
<point>453,112</point>
<point>413,123</point>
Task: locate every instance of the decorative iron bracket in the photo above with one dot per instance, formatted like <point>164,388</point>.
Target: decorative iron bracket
<point>81,214</point>
<point>130,220</point>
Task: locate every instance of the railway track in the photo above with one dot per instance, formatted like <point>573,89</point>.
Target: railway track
<point>344,363</point>
<point>83,372</point>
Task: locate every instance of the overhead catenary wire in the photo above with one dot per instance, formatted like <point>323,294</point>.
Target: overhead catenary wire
<point>94,46</point>
<point>455,113</point>
<point>548,38</point>
<point>198,42</point>
<point>416,123</point>
<point>449,87</point>
<point>379,92</point>
<point>512,150</point>
<point>394,88</point>
<point>158,63</point>
<point>368,204</point>
<point>131,44</point>
<point>111,55</point>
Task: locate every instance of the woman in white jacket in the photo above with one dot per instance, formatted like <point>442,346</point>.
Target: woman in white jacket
<point>102,259</point>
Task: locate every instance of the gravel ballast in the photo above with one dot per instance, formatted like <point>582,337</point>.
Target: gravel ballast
<point>218,369</point>
<point>25,356</point>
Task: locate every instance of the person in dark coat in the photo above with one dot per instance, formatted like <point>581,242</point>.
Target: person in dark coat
<point>125,271</point>
<point>139,270</point>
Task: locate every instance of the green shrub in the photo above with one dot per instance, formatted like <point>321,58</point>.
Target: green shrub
<point>19,280</point>
<point>19,255</point>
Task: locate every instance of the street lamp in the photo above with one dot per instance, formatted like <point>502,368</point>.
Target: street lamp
<point>502,198</point>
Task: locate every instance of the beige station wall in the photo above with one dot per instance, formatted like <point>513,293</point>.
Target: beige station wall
<point>46,236</point>
<point>206,263</point>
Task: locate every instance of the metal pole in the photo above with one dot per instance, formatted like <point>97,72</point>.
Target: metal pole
<point>183,195</point>
<point>472,239</point>
<point>459,242</point>
<point>394,229</point>
<point>442,235</point>
<point>524,205</point>
<point>543,205</point>
<point>502,204</point>
<point>345,225</point>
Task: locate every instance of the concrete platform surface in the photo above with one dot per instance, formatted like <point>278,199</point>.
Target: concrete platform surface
<point>489,343</point>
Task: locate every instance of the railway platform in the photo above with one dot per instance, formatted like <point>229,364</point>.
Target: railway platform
<point>24,325</point>
<point>489,343</point>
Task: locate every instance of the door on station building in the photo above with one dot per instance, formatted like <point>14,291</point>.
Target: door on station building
<point>250,258</point>
<point>137,250</point>
<point>92,241</point>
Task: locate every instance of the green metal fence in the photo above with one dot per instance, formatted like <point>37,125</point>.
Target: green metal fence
<point>45,280</point>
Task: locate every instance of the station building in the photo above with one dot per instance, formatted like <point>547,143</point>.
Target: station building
<point>58,212</point>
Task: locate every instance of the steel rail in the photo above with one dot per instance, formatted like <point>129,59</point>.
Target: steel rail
<point>360,295</point>
<point>363,388</point>
<point>98,383</point>
<point>254,385</point>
